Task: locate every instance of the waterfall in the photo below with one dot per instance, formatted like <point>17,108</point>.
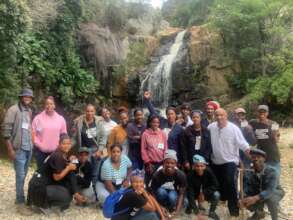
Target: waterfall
<point>159,81</point>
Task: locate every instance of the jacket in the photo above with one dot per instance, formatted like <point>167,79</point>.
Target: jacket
<point>11,127</point>
<point>77,128</point>
<point>188,141</point>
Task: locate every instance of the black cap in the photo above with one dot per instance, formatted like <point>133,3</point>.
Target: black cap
<point>258,152</point>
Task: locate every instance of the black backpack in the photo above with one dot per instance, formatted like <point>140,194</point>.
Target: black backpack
<point>37,194</point>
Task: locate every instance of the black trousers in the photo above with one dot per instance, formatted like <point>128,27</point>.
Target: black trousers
<point>227,175</point>
<point>59,196</point>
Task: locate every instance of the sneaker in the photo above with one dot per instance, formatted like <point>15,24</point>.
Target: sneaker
<point>45,212</point>
<point>214,216</point>
<point>24,210</point>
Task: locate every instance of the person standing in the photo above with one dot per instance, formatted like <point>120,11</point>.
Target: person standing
<point>153,147</point>
<point>169,126</point>
<point>267,136</point>
<point>247,131</point>
<point>107,125</point>
<point>195,140</point>
<point>134,132</point>
<point>210,109</point>
<point>17,132</point>
<point>118,134</point>
<point>86,132</point>
<point>227,140</point>
<point>47,128</point>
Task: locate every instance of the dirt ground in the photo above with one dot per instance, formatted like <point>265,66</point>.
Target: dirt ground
<point>7,191</point>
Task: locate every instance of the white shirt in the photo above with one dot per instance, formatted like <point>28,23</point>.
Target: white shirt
<point>226,143</point>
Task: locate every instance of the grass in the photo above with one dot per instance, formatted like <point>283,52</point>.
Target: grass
<point>291,146</point>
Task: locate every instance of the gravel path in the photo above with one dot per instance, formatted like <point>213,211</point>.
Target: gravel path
<point>7,192</point>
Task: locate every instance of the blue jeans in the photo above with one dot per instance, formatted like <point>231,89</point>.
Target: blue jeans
<point>21,163</point>
<point>167,198</point>
<point>145,215</point>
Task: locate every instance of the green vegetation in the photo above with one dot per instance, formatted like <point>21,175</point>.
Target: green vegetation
<point>257,33</point>
<point>39,47</point>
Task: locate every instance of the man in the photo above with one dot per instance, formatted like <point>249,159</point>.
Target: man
<point>84,175</point>
<point>168,184</point>
<point>202,185</point>
<point>261,188</point>
<point>186,111</point>
<point>247,131</point>
<point>267,135</point>
<point>211,107</point>
<point>17,132</point>
<point>227,140</point>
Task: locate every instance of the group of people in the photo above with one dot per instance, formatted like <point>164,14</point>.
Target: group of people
<point>161,165</point>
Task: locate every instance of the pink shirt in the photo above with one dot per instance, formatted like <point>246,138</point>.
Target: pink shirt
<point>47,129</point>
<point>153,146</point>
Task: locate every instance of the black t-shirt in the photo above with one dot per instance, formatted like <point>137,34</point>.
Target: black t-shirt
<point>264,137</point>
<point>84,175</point>
<point>55,163</point>
<point>174,182</point>
<point>130,200</point>
<point>88,134</point>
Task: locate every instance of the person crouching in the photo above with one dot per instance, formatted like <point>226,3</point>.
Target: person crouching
<point>202,185</point>
<point>54,184</point>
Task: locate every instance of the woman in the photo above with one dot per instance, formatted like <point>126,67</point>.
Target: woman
<point>195,140</point>
<point>134,132</point>
<point>86,131</point>
<point>59,180</point>
<point>118,134</point>
<point>140,204</point>
<point>115,171</point>
<point>172,129</point>
<point>47,127</point>
<point>153,146</point>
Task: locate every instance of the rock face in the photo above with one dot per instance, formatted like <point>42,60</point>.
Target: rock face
<point>200,71</point>
<point>208,69</point>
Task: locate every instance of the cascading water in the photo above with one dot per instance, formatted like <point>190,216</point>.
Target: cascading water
<point>159,81</point>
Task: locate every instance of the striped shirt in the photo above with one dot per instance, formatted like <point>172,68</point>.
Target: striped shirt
<point>117,176</point>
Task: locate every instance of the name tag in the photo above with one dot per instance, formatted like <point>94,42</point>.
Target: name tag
<point>275,127</point>
<point>91,132</point>
<point>119,181</point>
<point>244,124</point>
<point>25,125</point>
<point>197,142</point>
<point>161,146</point>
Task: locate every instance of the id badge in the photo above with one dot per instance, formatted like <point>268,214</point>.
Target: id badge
<point>161,146</point>
<point>25,125</point>
<point>244,124</point>
<point>197,142</point>
<point>275,127</point>
<point>119,181</point>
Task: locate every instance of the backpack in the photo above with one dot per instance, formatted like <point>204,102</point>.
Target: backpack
<point>112,200</point>
<point>37,194</point>
<point>37,187</point>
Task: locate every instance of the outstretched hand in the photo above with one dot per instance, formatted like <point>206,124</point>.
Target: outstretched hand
<point>147,95</point>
